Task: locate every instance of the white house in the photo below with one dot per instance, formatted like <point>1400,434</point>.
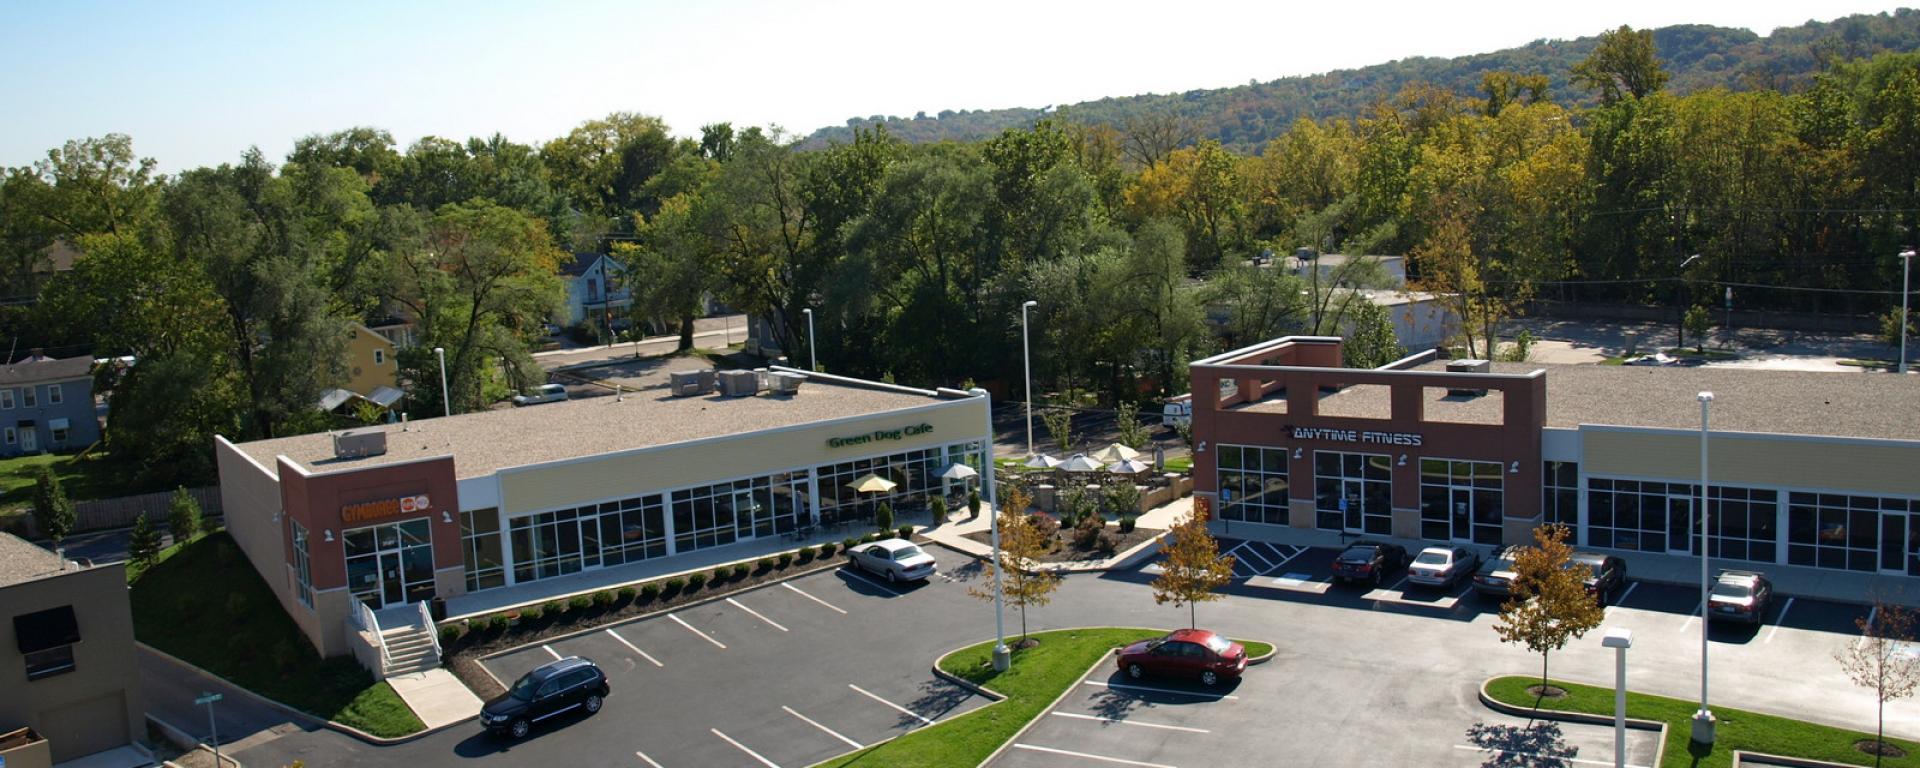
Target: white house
<point>589,293</point>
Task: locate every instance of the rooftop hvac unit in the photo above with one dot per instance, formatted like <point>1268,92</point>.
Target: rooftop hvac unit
<point>688,383</point>
<point>1467,366</point>
<point>358,443</point>
<point>785,383</point>
<point>739,383</point>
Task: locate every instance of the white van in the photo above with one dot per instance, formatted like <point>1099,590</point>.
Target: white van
<point>1177,412</point>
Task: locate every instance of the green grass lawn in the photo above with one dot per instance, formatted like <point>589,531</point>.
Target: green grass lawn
<point>1037,677</point>
<point>1736,729</point>
<point>239,632</point>
<point>1183,465</point>
<point>92,477</point>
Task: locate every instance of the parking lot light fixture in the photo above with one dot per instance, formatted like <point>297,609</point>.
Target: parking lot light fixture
<point>1703,719</point>
<point>1026,360</point>
<point>1619,639</point>
<point>1002,656</point>
<point>1906,289</point>
<point>446,405</point>
<point>813,357</point>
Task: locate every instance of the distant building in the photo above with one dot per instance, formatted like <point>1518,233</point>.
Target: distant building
<point>1421,320</point>
<point>46,404</point>
<point>67,664</point>
<point>590,292</point>
<point>370,363</point>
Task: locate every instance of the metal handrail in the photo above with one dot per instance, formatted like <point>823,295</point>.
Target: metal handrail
<point>367,621</point>
<point>433,633</point>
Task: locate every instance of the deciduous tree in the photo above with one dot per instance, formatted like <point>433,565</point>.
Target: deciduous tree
<point>1023,583</point>
<point>1194,571</point>
<point>183,515</point>
<point>1623,64</point>
<point>1371,341</point>
<point>1881,660</point>
<point>1550,604</point>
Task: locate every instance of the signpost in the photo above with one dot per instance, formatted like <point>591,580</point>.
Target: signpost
<point>213,728</point>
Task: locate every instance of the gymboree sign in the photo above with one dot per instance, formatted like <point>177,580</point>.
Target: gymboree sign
<point>1356,436</point>
<point>368,511</point>
<point>879,435</point>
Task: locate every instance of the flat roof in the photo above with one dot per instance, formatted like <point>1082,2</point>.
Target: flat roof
<point>487,441</point>
<point>23,561</point>
<point>1745,400</point>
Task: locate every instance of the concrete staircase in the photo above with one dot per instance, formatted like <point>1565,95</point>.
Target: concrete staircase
<point>409,649</point>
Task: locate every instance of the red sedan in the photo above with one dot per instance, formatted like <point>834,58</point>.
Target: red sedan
<point>1185,653</point>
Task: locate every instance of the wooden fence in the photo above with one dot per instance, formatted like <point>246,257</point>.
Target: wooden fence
<point>101,514</point>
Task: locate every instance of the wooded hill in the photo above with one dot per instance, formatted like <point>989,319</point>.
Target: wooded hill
<point>1244,118</point>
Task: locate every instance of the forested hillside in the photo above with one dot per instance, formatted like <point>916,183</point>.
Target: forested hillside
<point>1244,118</point>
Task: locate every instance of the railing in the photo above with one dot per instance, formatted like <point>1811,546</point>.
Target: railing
<point>433,633</point>
<point>366,621</point>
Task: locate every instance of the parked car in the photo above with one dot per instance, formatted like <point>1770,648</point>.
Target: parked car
<point>1739,596</point>
<point>1200,653</point>
<point>1606,574</point>
<point>1442,566</point>
<point>1495,577</point>
<point>896,559</point>
<point>1368,561</point>
<point>549,690</point>
<point>545,393</point>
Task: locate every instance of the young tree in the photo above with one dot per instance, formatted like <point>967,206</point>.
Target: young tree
<point>1372,341</point>
<point>1022,583</point>
<point>183,515</point>
<point>883,517</point>
<point>1194,568</point>
<point>143,543</point>
<point>1133,434</point>
<point>1059,423</point>
<point>1697,321</point>
<point>1550,604</point>
<point>53,512</point>
<point>1879,660</point>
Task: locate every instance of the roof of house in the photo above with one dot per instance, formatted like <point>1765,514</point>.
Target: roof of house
<point>580,263</point>
<point>22,560</point>
<point>487,441</point>
<point>37,369</point>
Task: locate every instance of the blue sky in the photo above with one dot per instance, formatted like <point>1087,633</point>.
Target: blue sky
<point>196,83</point>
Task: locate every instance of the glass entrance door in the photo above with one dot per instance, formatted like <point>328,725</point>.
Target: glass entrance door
<point>1462,508</point>
<point>1351,503</point>
<point>390,564</point>
<point>1680,525</point>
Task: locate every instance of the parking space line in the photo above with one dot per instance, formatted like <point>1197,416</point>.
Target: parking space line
<point>1121,761</point>
<point>703,635</point>
<point>635,648</point>
<point>829,731</point>
<point>803,593</point>
<point>1623,595</point>
<point>643,756</point>
<point>1401,585</point>
<point>1254,552</point>
<point>1779,620</point>
<point>869,694</point>
<point>756,614</point>
<point>862,576</point>
<point>1692,616</point>
<point>1545,759</point>
<point>549,649</point>
<point>1097,718</point>
<point>743,748</point>
<point>1283,562</point>
<point>1151,689</point>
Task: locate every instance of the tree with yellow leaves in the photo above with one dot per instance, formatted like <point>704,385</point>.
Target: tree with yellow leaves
<point>1550,604</point>
<point>1194,569</point>
<point>1022,582</point>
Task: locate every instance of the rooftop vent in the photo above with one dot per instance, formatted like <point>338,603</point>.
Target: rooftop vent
<point>1467,366</point>
<point>691,383</point>
<point>785,383</point>
<point>359,443</point>
<point>739,383</point>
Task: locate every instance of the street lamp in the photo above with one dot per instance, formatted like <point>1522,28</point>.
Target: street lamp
<point>1026,359</point>
<point>1002,656</point>
<point>446,405</point>
<point>1619,639</point>
<point>1680,330</point>
<point>1906,268</point>
<point>813,358</point>
<point>1703,719</point>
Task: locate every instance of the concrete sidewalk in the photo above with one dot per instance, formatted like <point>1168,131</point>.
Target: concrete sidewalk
<point>953,535</point>
<point>436,697</point>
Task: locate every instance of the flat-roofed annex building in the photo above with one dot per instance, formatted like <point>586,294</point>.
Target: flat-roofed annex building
<point>502,499</point>
<point>67,664</point>
<point>1812,470</point>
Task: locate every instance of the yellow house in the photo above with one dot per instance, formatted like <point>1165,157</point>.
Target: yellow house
<point>370,363</point>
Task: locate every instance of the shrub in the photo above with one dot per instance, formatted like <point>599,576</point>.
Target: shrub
<point>236,606</point>
<point>763,564</point>
<point>451,633</point>
<point>785,559</point>
<point>650,591</point>
<point>499,622</point>
<point>183,515</point>
<point>740,570</point>
<point>939,508</point>
<point>696,581</point>
<point>806,554</point>
<point>1047,526</point>
<point>1126,523</point>
<point>722,573</point>
<point>849,543</point>
<point>554,608</point>
<point>626,594</point>
<point>827,549</point>
<point>530,613</point>
<point>905,532</point>
<point>875,536</point>
<point>580,603</point>
<point>675,585</point>
<point>973,504</point>
<point>1106,543</point>
<point>883,516</point>
<point>1087,534</point>
<point>1122,499</point>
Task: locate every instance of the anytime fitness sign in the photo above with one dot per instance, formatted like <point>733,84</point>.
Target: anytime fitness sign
<point>1356,436</point>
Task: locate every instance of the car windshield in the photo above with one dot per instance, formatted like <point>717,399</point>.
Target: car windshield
<point>1358,553</point>
<point>524,687</point>
<point>1432,558</point>
<point>1733,590</point>
<point>1497,564</point>
<point>906,552</point>
<point>1218,644</point>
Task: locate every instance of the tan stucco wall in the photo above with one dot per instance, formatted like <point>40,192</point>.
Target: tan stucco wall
<point>757,453</point>
<point>1865,466</point>
<point>359,357</point>
<point>249,499</point>
<point>96,706</point>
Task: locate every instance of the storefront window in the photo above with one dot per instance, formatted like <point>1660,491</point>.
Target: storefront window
<point>480,548</point>
<point>1827,530</point>
<point>1744,523</point>
<point>1631,514</point>
<point>1461,500</point>
<point>915,474</point>
<point>302,566</point>
<point>1560,494</point>
<point>390,564</point>
<point>1253,484</point>
<point>1353,492</point>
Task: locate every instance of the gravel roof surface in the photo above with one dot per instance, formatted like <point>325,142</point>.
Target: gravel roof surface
<point>22,560</point>
<point>490,440</point>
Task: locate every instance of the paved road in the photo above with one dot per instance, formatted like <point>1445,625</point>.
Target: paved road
<point>707,331</point>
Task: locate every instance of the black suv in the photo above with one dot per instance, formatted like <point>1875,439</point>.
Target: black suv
<point>1368,561</point>
<point>562,686</point>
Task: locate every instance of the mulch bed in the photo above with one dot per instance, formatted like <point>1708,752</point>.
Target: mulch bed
<point>1881,748</point>
<point>1064,551</point>
<point>462,656</point>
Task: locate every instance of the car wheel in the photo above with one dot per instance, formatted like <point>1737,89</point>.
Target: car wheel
<point>592,703</point>
<point>1209,677</point>
<point>1375,581</point>
<point>893,576</point>
<point>519,728</point>
<point>1136,671</point>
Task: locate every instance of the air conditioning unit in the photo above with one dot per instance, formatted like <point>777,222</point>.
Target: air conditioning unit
<point>739,383</point>
<point>785,383</point>
<point>359,443</point>
<point>1467,366</point>
<point>687,383</point>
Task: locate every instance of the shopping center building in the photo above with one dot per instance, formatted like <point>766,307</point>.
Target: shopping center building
<point>1814,470</point>
<point>510,501</point>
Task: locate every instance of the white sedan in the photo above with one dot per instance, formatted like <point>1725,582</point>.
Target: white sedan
<point>1442,566</point>
<point>896,559</point>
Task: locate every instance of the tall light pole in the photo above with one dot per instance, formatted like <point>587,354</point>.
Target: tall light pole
<point>1002,656</point>
<point>1619,639</point>
<point>1681,327</point>
<point>1026,360</point>
<point>1906,267</point>
<point>1703,719</point>
<point>446,405</point>
<point>813,358</point>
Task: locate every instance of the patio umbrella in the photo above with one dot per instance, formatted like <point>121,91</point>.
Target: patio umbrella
<point>958,472</point>
<point>1081,462</point>
<point>1116,452</point>
<point>872,484</point>
<point>1042,461</point>
<point>1129,467</point>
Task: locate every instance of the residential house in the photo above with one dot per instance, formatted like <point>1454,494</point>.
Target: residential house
<point>67,660</point>
<point>46,404</point>
<point>591,290</point>
<point>372,373</point>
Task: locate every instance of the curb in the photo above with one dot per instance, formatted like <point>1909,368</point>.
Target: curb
<point>1660,746</point>
<point>1121,561</point>
<point>1744,758</point>
<point>308,718</point>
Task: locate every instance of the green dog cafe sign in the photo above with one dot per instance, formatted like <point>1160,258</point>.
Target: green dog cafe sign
<point>879,435</point>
